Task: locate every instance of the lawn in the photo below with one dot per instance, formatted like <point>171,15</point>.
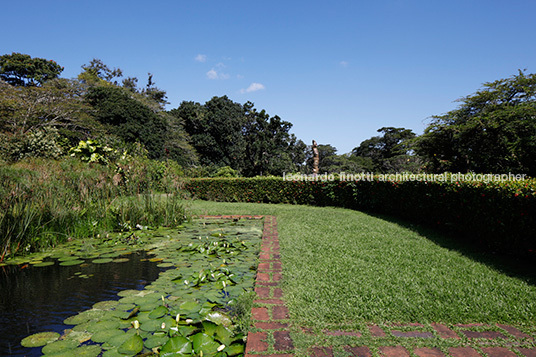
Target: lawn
<point>343,268</point>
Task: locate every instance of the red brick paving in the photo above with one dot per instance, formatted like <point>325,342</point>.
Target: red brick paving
<point>463,352</point>
<point>394,351</point>
<point>528,352</point>
<point>428,352</point>
<point>362,351</point>
<point>444,331</point>
<point>498,352</point>
<point>271,336</point>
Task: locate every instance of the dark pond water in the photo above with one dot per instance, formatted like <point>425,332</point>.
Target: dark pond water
<point>39,299</point>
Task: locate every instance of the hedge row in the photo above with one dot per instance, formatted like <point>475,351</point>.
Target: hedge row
<point>495,215</point>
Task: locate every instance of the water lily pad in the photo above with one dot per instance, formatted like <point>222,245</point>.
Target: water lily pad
<point>165,265</point>
<point>103,325</point>
<point>176,346</point>
<point>158,312</point>
<point>106,305</point>
<point>69,263</point>
<point>79,336</point>
<point>113,352</point>
<point>151,326</point>
<point>66,258</point>
<point>88,351</point>
<point>132,346</point>
<point>128,292</point>
<point>118,340</point>
<point>59,346</point>
<point>218,318</point>
<point>106,335</point>
<point>39,339</point>
<point>189,306</point>
<point>43,264</point>
<point>234,349</point>
<point>84,316</point>
<point>102,261</point>
<point>120,260</point>
<point>205,343</point>
<point>156,341</point>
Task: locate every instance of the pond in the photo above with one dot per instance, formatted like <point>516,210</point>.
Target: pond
<point>30,296</point>
<point>162,291</point>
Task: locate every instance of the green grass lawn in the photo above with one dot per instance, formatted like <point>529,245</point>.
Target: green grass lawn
<point>343,268</point>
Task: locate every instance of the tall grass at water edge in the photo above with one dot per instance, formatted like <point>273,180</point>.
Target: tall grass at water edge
<point>45,202</point>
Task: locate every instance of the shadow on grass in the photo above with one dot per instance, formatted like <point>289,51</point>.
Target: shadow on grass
<point>518,266</point>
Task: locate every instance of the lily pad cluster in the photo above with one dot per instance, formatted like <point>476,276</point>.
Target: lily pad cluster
<point>187,311</point>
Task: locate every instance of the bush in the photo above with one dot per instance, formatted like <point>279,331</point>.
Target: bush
<point>497,215</point>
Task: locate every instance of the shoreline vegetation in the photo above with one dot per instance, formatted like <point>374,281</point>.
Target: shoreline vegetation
<point>46,202</point>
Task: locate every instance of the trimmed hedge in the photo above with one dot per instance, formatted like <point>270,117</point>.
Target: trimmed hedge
<point>499,216</point>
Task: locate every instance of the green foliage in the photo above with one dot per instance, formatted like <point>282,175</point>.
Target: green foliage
<point>390,153</point>
<point>45,202</point>
<point>493,130</point>
<point>91,151</point>
<point>44,142</point>
<point>226,171</point>
<point>493,215</point>
<point>225,133</point>
<point>128,118</point>
<point>22,70</point>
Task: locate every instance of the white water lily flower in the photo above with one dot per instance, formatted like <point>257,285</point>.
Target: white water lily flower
<point>163,325</point>
<point>178,318</point>
<point>136,324</point>
<point>189,321</point>
<point>221,348</point>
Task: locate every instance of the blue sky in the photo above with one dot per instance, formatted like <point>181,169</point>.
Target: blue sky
<point>337,70</point>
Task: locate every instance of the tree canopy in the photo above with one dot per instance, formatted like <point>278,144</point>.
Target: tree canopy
<point>493,130</point>
<point>41,114</point>
<point>22,70</point>
<point>226,133</point>
<point>390,152</point>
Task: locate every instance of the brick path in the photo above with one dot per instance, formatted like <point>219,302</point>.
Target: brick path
<point>270,335</point>
<point>473,340</point>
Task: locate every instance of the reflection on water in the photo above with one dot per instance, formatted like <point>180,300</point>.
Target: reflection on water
<point>39,299</point>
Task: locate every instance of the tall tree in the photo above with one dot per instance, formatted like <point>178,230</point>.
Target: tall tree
<point>129,118</point>
<point>390,152</point>
<point>493,130</point>
<point>225,133</point>
<point>22,70</point>
<point>270,149</point>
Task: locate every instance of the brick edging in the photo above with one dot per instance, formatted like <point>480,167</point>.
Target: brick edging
<point>270,334</point>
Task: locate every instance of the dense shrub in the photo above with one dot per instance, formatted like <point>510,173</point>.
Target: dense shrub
<point>494,215</point>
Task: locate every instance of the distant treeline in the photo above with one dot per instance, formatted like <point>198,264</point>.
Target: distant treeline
<point>43,115</point>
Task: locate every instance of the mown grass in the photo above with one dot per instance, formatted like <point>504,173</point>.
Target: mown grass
<point>344,268</point>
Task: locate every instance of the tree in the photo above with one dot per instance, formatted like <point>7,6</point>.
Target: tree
<point>43,120</point>
<point>215,129</point>
<point>270,149</point>
<point>225,133</point>
<point>22,70</point>
<point>391,152</point>
<point>492,131</point>
<point>129,118</point>
<point>96,72</point>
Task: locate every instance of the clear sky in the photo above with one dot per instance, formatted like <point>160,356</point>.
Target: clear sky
<point>338,70</point>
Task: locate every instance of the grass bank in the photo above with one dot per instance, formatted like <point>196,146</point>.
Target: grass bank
<point>46,202</point>
<point>343,268</point>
